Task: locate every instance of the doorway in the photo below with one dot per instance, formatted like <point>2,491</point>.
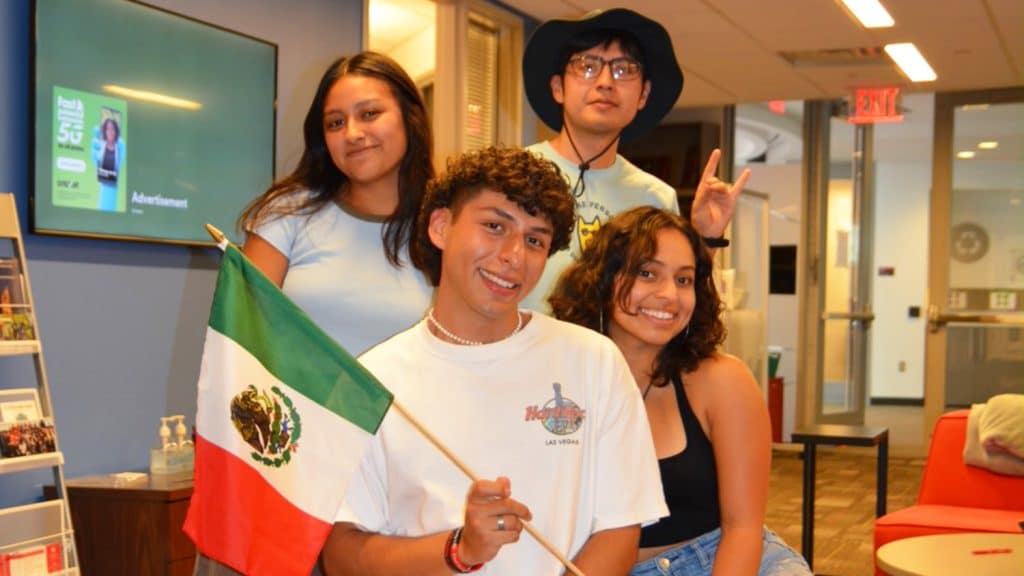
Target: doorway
<point>869,274</point>
<point>975,340</point>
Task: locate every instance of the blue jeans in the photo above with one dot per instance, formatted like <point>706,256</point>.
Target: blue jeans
<point>696,557</point>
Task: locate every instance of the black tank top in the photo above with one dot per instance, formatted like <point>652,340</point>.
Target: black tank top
<point>108,174</point>
<point>690,483</point>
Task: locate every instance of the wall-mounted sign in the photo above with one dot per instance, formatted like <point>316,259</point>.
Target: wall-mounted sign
<point>875,105</point>
<point>968,242</point>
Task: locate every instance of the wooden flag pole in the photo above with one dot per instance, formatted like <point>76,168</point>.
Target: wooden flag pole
<point>218,236</point>
<point>472,476</point>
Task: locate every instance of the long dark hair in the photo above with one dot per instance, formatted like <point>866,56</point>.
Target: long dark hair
<point>317,172</point>
<point>586,292</point>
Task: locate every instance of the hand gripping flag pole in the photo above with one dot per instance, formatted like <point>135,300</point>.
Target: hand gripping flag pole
<point>223,243</point>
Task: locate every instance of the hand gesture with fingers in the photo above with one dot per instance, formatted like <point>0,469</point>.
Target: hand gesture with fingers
<point>715,200</point>
<point>492,520</point>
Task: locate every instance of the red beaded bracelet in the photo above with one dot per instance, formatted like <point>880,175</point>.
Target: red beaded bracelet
<point>451,556</point>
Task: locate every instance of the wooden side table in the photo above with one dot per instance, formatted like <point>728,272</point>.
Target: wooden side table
<point>954,554</point>
<point>131,527</point>
<point>834,435</point>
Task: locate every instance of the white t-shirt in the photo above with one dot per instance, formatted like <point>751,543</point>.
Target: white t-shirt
<point>338,274</point>
<point>554,408</point>
<point>608,191</point>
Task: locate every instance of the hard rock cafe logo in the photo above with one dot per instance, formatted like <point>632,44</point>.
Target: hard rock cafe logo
<point>269,423</point>
<point>559,415</point>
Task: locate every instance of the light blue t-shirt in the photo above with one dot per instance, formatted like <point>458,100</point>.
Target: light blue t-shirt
<point>338,274</point>
<point>608,191</point>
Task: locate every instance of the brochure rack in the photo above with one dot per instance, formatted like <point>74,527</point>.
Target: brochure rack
<point>35,538</point>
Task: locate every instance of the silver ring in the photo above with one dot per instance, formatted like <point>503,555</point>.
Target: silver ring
<point>501,522</point>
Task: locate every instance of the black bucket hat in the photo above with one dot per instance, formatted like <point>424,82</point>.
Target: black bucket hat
<point>540,63</point>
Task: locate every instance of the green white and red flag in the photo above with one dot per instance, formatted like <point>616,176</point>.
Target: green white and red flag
<point>284,416</point>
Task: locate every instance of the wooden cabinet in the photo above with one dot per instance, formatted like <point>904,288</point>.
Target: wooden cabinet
<point>131,527</point>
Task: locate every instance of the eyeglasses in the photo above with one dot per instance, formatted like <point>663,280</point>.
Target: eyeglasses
<point>589,66</point>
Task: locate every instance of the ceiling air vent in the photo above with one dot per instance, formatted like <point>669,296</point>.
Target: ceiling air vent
<point>868,56</point>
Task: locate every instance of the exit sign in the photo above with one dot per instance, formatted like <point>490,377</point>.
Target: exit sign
<point>875,105</point>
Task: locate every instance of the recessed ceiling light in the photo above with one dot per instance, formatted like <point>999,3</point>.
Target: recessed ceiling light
<point>871,13</point>
<point>968,107</point>
<point>911,62</point>
<point>988,145</point>
<point>965,154</point>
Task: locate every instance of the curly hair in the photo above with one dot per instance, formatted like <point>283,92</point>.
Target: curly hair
<point>533,183</point>
<point>586,291</point>
<point>317,172</point>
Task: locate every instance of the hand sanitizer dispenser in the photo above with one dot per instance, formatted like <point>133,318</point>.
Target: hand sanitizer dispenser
<point>172,457</point>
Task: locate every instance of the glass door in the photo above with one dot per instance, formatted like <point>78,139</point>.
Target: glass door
<point>844,255</point>
<point>742,274</point>
<point>975,343</point>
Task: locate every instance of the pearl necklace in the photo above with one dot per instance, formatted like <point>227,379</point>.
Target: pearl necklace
<point>465,342</point>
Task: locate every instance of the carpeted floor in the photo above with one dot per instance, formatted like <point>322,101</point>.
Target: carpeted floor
<point>844,504</point>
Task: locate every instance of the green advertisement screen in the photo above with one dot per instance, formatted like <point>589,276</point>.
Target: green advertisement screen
<point>148,124</point>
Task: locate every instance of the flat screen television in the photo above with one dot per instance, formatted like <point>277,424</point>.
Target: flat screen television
<point>147,124</point>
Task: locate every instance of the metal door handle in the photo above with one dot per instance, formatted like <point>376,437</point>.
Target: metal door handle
<point>937,319</point>
<point>862,316</point>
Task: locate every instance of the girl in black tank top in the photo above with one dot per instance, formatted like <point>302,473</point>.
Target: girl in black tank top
<point>645,281</point>
<point>690,483</point>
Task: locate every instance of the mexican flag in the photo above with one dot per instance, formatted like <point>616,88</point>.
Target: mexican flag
<point>284,415</point>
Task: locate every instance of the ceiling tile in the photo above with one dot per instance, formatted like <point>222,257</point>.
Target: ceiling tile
<point>732,45</point>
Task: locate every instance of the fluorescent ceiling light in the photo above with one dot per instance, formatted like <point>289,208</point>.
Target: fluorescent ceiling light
<point>965,154</point>
<point>988,145</point>
<point>911,62</point>
<point>154,97</point>
<point>871,13</point>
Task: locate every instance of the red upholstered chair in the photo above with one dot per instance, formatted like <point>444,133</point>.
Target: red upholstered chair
<point>955,497</point>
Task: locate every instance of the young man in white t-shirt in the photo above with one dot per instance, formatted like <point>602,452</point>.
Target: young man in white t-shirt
<point>610,77</point>
<point>545,412</point>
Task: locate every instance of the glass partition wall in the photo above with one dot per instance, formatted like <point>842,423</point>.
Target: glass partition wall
<point>976,314</point>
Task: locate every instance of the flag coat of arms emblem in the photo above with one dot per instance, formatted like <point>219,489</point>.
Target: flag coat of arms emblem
<point>284,415</point>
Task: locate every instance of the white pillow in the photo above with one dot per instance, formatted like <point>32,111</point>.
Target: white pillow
<point>975,455</point>
<point>1001,428</point>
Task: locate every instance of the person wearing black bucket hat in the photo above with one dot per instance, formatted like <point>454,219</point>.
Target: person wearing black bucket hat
<point>652,50</point>
<point>605,78</point>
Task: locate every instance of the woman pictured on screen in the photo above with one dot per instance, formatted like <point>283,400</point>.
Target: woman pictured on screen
<point>108,154</point>
<point>645,281</point>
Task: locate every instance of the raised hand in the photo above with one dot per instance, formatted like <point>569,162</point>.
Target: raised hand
<point>715,200</point>
<point>492,520</point>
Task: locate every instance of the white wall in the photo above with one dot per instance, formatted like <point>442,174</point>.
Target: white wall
<point>418,54</point>
<point>901,242</point>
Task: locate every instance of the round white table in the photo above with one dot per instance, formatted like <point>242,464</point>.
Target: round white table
<point>954,555</point>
